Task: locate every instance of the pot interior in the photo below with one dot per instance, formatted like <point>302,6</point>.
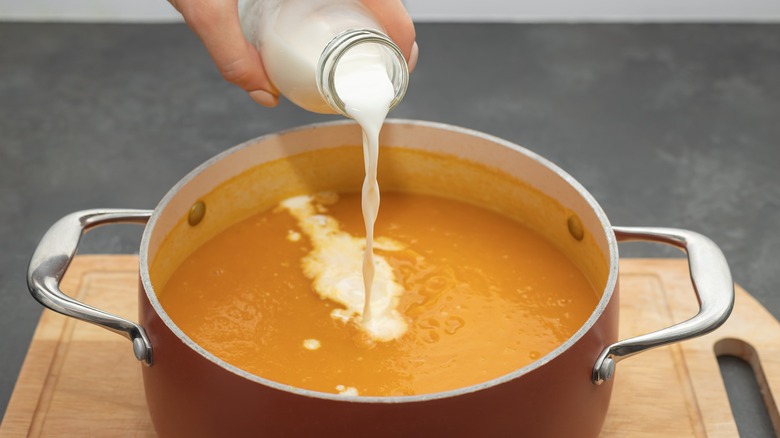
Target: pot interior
<point>415,157</point>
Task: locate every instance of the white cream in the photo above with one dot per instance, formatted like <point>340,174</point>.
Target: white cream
<point>311,344</point>
<point>364,87</point>
<point>335,267</point>
<point>347,390</point>
<point>293,236</point>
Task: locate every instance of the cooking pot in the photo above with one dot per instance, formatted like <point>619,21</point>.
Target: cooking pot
<point>190,392</point>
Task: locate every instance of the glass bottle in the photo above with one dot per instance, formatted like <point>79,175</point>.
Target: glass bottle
<point>303,42</point>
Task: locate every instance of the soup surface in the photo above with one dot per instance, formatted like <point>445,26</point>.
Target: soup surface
<point>481,296</point>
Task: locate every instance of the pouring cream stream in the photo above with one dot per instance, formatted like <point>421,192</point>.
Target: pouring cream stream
<point>333,264</point>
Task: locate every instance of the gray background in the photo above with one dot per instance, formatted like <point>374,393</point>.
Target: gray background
<point>504,11</point>
<point>666,125</point>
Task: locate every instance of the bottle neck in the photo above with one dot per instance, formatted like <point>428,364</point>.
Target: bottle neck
<point>391,57</point>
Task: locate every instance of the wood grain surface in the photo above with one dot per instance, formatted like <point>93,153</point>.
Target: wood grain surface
<point>81,380</point>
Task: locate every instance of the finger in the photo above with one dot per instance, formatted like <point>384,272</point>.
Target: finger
<point>264,98</point>
<point>397,22</point>
<point>217,25</point>
<point>413,57</point>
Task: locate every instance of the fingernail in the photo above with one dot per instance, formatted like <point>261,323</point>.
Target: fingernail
<point>413,56</point>
<point>264,98</point>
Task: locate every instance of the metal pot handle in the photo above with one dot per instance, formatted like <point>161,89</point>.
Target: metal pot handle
<point>52,258</point>
<point>712,283</point>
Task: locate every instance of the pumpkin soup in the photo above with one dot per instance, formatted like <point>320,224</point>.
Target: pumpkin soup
<point>462,295</point>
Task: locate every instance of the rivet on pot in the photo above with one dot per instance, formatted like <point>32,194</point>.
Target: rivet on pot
<point>197,212</point>
<point>575,227</point>
<point>605,371</point>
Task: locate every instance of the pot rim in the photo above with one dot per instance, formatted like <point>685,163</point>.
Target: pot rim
<point>595,315</point>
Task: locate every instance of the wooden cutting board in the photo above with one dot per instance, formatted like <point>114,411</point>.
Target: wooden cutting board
<point>80,380</point>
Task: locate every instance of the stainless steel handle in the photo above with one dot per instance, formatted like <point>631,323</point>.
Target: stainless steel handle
<point>52,258</point>
<point>712,283</point>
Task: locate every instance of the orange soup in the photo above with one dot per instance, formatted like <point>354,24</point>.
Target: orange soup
<point>481,296</point>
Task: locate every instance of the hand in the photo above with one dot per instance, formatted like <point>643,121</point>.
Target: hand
<point>216,24</point>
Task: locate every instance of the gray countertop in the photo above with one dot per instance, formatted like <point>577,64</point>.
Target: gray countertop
<point>666,125</point>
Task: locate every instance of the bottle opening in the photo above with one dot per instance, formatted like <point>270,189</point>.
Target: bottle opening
<point>365,43</point>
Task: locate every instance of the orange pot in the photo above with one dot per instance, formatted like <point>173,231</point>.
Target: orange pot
<point>190,392</point>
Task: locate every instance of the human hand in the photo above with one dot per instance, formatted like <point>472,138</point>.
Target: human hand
<point>217,25</point>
